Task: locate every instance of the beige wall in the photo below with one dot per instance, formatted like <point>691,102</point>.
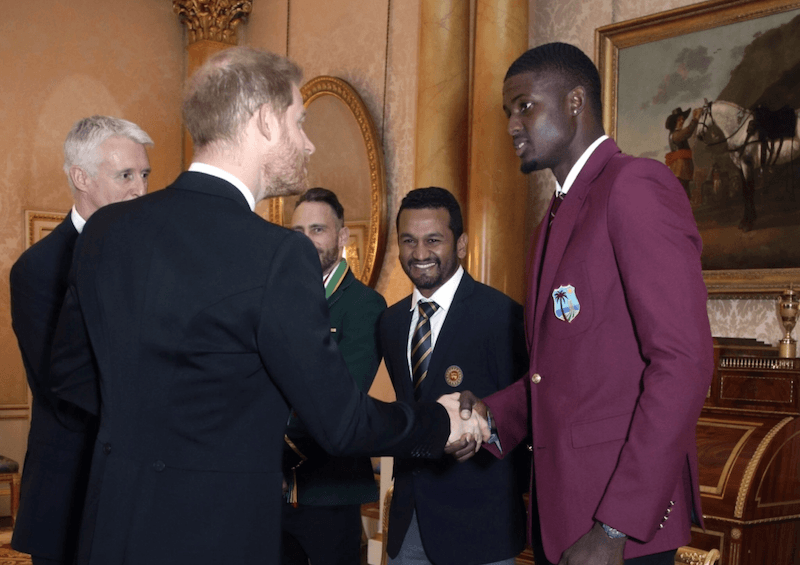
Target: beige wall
<point>63,61</point>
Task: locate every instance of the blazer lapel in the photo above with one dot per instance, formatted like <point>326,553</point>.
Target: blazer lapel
<point>349,277</point>
<point>532,268</point>
<point>404,388</point>
<point>563,225</point>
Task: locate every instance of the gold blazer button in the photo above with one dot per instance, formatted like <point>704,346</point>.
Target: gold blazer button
<point>536,378</point>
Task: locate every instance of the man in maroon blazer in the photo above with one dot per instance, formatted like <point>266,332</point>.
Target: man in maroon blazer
<point>617,329</point>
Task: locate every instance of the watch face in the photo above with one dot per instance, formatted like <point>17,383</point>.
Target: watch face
<point>612,532</point>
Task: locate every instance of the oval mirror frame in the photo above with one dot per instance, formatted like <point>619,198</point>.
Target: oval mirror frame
<point>374,240</point>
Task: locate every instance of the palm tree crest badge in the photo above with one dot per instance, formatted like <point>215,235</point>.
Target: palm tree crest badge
<point>565,303</point>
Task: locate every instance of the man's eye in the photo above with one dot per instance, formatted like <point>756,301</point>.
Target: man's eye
<point>525,106</point>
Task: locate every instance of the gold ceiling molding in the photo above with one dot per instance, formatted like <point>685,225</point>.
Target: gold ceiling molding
<point>215,20</point>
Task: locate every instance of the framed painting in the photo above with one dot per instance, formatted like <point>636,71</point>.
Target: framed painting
<point>40,224</point>
<point>713,89</point>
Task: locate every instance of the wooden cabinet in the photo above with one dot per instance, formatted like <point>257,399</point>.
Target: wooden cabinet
<point>748,440</point>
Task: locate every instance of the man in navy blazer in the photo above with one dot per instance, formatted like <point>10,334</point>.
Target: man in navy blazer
<point>105,161</point>
<point>202,324</point>
<point>477,343</point>
<point>620,346</point>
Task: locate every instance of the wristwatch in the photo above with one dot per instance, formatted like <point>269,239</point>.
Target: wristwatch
<point>612,532</point>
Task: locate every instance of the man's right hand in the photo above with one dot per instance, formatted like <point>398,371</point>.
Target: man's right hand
<point>469,402</point>
<point>467,446</point>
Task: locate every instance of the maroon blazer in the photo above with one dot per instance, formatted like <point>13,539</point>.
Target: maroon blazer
<point>614,394</point>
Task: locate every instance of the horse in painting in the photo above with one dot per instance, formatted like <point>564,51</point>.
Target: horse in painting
<point>750,150</point>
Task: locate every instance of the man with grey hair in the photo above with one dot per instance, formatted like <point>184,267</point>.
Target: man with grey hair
<point>206,323</point>
<point>105,161</point>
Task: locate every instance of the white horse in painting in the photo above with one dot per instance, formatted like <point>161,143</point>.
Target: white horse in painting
<point>749,153</point>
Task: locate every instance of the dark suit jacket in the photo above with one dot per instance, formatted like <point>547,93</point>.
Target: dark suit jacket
<point>322,480</point>
<point>206,322</point>
<point>614,395</point>
<point>59,445</point>
<point>472,512</point>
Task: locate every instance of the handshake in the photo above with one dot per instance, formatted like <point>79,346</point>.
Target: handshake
<point>469,425</point>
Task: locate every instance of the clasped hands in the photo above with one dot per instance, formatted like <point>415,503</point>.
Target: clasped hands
<point>468,424</point>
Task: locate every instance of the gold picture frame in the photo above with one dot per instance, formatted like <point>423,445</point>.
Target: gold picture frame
<point>653,44</point>
<point>39,224</point>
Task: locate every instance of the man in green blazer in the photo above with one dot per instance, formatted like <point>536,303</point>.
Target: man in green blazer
<point>322,517</point>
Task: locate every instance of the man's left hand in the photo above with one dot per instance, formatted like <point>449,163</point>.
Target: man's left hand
<point>595,548</point>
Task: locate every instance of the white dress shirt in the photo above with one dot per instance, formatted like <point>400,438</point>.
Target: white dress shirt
<point>578,166</point>
<point>225,175</point>
<point>77,220</point>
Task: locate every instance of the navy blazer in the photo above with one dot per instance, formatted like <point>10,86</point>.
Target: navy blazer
<point>481,348</point>
<point>205,322</point>
<point>57,461</point>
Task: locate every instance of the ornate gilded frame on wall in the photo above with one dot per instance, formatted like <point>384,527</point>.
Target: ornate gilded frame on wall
<point>639,40</point>
<point>373,236</point>
<point>39,224</point>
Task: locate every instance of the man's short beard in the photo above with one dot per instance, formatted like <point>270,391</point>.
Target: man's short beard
<point>328,258</point>
<point>528,167</point>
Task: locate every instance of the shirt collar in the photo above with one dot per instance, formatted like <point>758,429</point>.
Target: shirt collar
<point>225,175</point>
<point>444,294</point>
<point>77,220</point>
<point>578,166</point>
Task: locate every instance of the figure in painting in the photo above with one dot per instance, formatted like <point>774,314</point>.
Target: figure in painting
<point>679,158</point>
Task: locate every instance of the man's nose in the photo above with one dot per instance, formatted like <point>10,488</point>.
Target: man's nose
<point>309,147</point>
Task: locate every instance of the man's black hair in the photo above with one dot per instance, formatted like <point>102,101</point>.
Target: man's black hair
<point>431,198</point>
<point>567,61</point>
<point>319,194</point>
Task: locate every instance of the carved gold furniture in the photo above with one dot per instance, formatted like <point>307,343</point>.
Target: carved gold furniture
<point>748,440</point>
<point>693,556</point>
<point>9,473</point>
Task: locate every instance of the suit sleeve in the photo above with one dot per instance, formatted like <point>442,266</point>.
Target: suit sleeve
<point>73,375</point>
<point>657,248</point>
<point>359,348</point>
<point>34,311</point>
<point>294,341</point>
<point>37,295</point>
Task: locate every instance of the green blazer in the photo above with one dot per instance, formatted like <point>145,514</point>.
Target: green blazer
<point>321,479</point>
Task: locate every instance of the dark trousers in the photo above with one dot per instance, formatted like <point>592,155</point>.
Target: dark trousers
<point>44,561</point>
<point>663,558</point>
<point>323,535</point>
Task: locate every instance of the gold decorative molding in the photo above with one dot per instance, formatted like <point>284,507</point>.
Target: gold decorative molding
<point>718,490</point>
<point>39,224</point>
<point>749,473</point>
<point>214,20</point>
<point>375,236</point>
<point>14,412</point>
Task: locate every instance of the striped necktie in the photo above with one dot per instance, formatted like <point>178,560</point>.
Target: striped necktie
<point>421,347</point>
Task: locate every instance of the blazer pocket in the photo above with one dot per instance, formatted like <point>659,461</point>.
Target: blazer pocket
<point>612,428</point>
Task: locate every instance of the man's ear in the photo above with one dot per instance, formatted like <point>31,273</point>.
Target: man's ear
<point>79,178</point>
<point>267,122</point>
<point>577,100</point>
<point>461,246</point>
<point>344,236</point>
